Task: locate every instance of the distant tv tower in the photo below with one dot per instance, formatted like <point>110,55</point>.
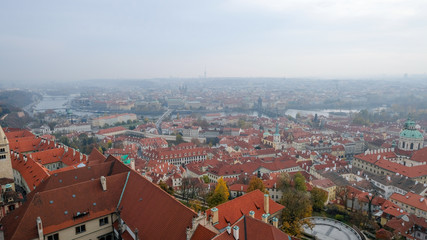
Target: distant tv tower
<point>205,73</point>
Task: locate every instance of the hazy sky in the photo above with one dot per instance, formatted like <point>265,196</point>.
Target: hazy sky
<point>92,39</point>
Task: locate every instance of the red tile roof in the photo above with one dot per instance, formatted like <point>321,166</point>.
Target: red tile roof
<point>145,205</point>
<point>411,199</point>
<point>229,212</point>
<point>254,229</point>
<point>111,130</point>
<point>202,233</point>
<point>65,203</point>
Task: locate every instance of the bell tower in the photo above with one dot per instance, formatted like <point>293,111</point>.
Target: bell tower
<point>5,161</point>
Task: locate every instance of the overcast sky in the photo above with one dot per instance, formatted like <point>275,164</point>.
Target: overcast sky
<point>92,39</point>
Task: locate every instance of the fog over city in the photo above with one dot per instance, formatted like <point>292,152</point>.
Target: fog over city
<point>79,40</point>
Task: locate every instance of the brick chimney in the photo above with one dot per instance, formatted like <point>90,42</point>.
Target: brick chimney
<point>236,232</point>
<point>266,203</point>
<point>275,222</point>
<point>104,183</point>
<point>40,228</point>
<point>215,217</point>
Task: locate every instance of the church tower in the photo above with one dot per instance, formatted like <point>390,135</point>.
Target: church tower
<point>5,161</point>
<point>410,139</point>
<point>276,135</point>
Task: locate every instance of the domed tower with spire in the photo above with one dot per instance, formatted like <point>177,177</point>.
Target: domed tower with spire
<point>410,139</point>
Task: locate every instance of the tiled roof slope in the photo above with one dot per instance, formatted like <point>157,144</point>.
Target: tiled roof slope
<point>154,212</point>
<point>145,205</point>
<point>254,229</point>
<point>78,175</point>
<point>56,207</point>
<point>231,211</point>
<point>202,233</point>
<point>32,172</point>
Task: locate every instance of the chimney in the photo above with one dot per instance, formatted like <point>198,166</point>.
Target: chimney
<point>266,203</point>
<point>236,232</point>
<point>40,228</point>
<point>252,214</point>
<point>104,183</point>
<point>215,217</point>
<point>275,222</point>
<point>132,164</point>
<point>228,228</point>
<point>136,233</point>
<point>265,217</point>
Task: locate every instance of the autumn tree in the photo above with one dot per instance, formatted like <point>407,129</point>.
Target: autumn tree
<point>219,195</point>
<point>297,210</point>
<point>165,187</point>
<point>256,183</point>
<point>318,199</point>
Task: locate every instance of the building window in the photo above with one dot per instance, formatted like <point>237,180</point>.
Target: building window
<point>2,150</point>
<point>103,221</point>
<point>80,229</point>
<point>53,237</point>
<point>108,236</point>
<point>2,156</point>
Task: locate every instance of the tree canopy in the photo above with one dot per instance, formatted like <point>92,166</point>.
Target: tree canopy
<point>318,198</point>
<point>219,195</point>
<point>297,209</point>
<point>256,183</point>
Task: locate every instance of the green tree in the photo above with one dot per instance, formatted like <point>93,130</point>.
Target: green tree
<point>220,194</point>
<point>318,199</point>
<point>299,182</point>
<point>256,183</point>
<point>179,139</point>
<point>297,210</point>
<point>205,178</point>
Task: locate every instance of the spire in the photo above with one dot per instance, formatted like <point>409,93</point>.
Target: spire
<point>277,128</point>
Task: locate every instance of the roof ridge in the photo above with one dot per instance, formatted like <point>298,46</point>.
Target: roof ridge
<point>79,183</point>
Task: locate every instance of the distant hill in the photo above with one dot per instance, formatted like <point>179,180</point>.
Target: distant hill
<point>11,116</point>
<point>17,98</point>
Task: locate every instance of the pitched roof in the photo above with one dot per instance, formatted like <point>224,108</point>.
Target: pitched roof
<point>145,205</point>
<point>229,212</point>
<point>202,233</point>
<point>63,203</point>
<point>150,209</point>
<point>254,229</point>
<point>411,199</point>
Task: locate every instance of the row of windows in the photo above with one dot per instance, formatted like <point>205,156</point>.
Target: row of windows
<point>108,236</point>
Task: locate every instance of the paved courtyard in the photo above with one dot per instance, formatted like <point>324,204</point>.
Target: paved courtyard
<point>330,229</point>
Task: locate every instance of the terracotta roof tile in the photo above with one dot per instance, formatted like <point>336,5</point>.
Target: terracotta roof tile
<point>231,211</point>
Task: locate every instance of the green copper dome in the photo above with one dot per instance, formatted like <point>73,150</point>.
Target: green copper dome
<point>410,131</point>
<point>407,133</point>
